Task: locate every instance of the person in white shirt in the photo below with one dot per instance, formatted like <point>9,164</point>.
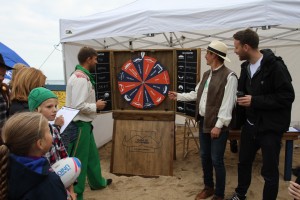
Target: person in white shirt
<point>215,97</point>
<point>81,95</point>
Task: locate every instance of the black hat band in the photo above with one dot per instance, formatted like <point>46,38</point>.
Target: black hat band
<point>216,51</point>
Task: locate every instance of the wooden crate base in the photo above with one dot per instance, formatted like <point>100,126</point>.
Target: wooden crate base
<point>143,148</point>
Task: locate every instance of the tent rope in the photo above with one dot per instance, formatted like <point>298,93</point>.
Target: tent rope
<point>55,48</point>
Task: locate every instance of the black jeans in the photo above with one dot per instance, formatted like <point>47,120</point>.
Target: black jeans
<point>270,143</point>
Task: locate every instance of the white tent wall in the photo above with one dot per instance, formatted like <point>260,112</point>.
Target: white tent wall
<point>291,58</point>
<point>170,24</point>
<point>103,129</point>
<point>103,124</point>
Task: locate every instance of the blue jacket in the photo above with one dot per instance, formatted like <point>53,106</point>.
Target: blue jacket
<point>33,179</point>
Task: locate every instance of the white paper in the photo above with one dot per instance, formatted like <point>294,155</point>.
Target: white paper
<point>68,114</point>
<point>292,129</point>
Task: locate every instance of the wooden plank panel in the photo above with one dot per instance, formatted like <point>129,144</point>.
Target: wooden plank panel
<point>143,147</point>
<point>149,115</point>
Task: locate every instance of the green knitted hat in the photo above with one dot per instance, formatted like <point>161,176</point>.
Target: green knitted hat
<point>37,96</point>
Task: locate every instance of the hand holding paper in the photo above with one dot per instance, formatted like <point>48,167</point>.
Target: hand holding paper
<point>59,120</point>
<point>67,114</point>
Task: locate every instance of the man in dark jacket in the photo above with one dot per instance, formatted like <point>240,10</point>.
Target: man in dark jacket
<point>265,109</point>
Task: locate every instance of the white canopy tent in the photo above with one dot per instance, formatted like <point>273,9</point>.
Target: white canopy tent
<point>165,24</point>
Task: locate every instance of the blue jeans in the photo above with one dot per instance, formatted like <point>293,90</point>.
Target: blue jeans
<point>212,156</point>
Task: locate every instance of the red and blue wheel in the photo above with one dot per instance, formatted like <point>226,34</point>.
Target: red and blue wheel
<point>143,82</point>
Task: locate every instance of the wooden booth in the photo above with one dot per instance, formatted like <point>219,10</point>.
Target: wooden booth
<point>135,84</point>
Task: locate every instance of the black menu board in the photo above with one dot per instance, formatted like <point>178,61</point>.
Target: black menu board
<point>103,80</point>
<point>186,78</point>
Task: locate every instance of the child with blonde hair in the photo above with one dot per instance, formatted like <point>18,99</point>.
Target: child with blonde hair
<point>24,172</point>
<point>45,102</point>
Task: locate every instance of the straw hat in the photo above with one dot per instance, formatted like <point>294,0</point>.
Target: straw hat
<point>218,48</point>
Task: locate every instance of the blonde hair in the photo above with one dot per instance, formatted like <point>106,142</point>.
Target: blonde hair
<point>17,68</point>
<point>26,79</point>
<point>19,134</point>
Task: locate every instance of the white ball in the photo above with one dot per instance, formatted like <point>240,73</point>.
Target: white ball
<point>68,169</point>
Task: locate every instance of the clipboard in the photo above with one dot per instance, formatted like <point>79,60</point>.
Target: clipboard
<point>68,114</point>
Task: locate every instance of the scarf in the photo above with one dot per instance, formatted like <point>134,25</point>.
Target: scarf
<point>92,79</point>
<point>36,164</point>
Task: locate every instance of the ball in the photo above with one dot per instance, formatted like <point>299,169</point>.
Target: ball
<point>68,169</point>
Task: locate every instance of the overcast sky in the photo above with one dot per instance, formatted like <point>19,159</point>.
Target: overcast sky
<point>31,28</point>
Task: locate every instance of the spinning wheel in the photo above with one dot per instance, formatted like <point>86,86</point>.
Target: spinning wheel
<point>143,82</point>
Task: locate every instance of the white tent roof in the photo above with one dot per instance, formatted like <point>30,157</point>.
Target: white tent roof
<point>154,24</point>
<point>185,24</point>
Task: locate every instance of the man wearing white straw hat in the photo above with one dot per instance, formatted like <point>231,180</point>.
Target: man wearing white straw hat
<point>215,99</point>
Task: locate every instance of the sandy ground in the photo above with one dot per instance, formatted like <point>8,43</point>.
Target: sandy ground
<point>187,179</point>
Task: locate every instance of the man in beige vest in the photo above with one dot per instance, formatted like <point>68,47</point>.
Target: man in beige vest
<point>215,98</point>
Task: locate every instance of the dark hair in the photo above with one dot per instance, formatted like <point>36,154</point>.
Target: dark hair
<point>221,60</point>
<point>248,37</point>
<point>85,53</point>
<point>19,133</point>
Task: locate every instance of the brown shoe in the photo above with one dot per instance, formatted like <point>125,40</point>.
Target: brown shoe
<point>205,193</point>
<point>217,198</point>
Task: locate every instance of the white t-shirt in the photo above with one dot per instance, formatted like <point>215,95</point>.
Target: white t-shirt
<point>255,66</point>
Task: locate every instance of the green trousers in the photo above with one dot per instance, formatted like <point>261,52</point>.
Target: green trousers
<point>84,148</point>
